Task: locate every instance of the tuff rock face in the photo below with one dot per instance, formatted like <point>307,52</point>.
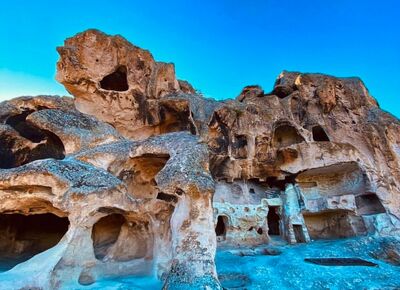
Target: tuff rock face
<point>138,175</point>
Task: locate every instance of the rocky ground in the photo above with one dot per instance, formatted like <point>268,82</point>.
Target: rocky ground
<point>283,267</point>
<point>138,180</point>
<point>280,266</point>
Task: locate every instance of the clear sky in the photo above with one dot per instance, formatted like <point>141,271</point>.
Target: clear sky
<point>218,46</point>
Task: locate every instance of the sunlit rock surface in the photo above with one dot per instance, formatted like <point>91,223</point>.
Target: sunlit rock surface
<point>138,180</point>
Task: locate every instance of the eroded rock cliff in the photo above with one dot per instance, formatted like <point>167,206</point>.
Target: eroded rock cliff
<point>139,175</point>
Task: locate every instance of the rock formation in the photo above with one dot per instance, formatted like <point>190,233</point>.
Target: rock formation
<point>139,175</point>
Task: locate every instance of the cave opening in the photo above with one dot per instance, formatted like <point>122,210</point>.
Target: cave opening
<point>329,225</point>
<point>116,81</point>
<point>31,144</point>
<point>167,197</point>
<point>220,229</point>
<point>339,179</point>
<point>219,135</point>
<point>280,184</point>
<point>299,234</point>
<point>319,134</point>
<point>286,135</point>
<point>369,204</point>
<point>140,175</point>
<point>121,238</point>
<point>24,236</point>
<point>273,219</point>
<point>105,233</point>
<point>175,119</point>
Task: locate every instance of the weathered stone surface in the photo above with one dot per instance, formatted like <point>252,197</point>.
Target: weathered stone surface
<point>119,83</point>
<point>115,179</point>
<point>141,176</point>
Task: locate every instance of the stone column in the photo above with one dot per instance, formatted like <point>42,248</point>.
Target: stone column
<point>294,226</point>
<point>194,244</point>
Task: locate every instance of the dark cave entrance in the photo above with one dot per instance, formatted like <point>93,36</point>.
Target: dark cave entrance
<point>105,233</point>
<point>24,236</point>
<point>220,229</point>
<point>139,175</point>
<point>286,135</point>
<point>44,144</point>
<point>175,119</point>
<point>299,234</point>
<point>319,134</point>
<point>116,81</point>
<point>273,221</point>
<point>369,204</point>
<point>122,237</point>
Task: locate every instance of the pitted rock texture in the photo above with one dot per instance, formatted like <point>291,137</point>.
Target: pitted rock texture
<point>121,83</point>
<point>138,175</point>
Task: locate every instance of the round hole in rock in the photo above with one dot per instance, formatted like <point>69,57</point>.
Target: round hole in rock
<point>116,81</point>
<point>24,236</point>
<point>117,238</point>
<point>319,134</point>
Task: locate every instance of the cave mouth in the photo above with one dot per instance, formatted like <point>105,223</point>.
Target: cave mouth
<point>273,221</point>
<point>105,233</point>
<point>330,225</point>
<point>286,135</point>
<point>175,119</point>
<point>116,81</point>
<point>299,234</point>
<point>120,238</point>
<point>24,236</point>
<point>368,204</point>
<point>239,147</point>
<point>140,175</point>
<point>45,144</point>
<point>220,229</point>
<point>319,134</point>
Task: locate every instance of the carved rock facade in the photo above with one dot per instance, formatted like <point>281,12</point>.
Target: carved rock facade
<point>140,175</point>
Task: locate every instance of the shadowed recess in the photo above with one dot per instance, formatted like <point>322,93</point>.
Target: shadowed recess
<point>31,144</point>
<point>22,237</point>
<point>286,135</point>
<point>340,262</point>
<point>319,134</point>
<point>116,81</point>
<point>220,229</point>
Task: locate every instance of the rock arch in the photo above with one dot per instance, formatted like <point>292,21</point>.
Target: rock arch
<point>122,237</point>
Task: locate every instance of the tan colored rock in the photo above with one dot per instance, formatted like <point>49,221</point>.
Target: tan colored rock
<point>118,82</point>
<point>145,177</point>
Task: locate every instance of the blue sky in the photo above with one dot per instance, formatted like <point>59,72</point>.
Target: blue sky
<point>218,46</point>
